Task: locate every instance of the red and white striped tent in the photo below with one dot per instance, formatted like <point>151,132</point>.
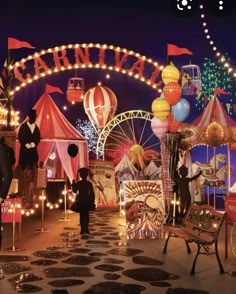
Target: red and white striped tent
<point>213,127</point>
<point>57,131</point>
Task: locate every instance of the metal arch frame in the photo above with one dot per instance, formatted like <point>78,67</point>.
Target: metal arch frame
<point>114,122</point>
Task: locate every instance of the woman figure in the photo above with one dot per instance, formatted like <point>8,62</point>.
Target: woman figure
<point>85,198</point>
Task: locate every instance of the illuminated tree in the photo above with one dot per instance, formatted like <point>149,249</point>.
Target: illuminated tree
<point>87,129</point>
<point>214,75</point>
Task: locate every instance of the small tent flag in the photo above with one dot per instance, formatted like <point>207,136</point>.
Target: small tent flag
<point>16,44</point>
<point>52,89</point>
<point>219,91</point>
<point>174,50</point>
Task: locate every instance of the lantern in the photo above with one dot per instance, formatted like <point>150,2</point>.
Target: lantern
<point>172,92</point>
<point>160,108</point>
<point>75,90</point>
<point>159,127</point>
<point>100,105</point>
<point>170,73</point>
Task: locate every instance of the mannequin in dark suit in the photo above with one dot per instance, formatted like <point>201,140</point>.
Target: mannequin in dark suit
<point>29,138</point>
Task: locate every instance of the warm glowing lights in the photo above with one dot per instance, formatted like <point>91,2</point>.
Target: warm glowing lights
<point>136,70</point>
<point>3,116</point>
<point>214,48</point>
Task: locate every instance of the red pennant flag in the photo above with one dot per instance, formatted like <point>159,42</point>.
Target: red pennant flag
<point>192,88</point>
<point>52,89</point>
<point>219,91</point>
<point>174,50</point>
<point>16,44</point>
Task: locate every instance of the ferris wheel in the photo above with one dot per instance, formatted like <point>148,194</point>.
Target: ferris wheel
<point>129,133</point>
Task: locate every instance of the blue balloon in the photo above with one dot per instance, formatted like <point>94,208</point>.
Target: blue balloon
<point>181,110</point>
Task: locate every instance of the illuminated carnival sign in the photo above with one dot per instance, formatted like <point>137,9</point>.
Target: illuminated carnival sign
<point>81,56</point>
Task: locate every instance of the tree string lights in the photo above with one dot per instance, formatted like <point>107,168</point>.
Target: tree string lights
<point>214,76</point>
<point>87,129</point>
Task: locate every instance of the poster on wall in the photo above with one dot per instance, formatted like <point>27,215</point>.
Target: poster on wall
<point>144,208</point>
<point>103,179</point>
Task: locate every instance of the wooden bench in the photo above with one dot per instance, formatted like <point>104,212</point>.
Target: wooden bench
<point>201,225</point>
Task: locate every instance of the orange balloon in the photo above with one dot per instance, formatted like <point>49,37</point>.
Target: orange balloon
<point>172,92</point>
<point>173,123</point>
<point>160,108</point>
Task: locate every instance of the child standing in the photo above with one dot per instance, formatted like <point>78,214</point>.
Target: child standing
<point>183,186</point>
<point>85,198</point>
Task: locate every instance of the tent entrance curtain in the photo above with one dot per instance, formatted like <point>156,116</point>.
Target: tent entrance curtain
<point>70,165</point>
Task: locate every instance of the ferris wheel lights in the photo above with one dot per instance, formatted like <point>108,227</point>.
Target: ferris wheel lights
<point>201,6</point>
<point>204,24</point>
<point>206,31</point>
<point>214,48</point>
<point>202,15</point>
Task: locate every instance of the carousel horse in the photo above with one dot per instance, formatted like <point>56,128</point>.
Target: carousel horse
<point>213,173</point>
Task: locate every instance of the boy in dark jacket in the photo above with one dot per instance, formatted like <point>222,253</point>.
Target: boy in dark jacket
<point>85,198</point>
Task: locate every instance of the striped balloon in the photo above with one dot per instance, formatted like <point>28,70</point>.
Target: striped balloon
<point>100,105</point>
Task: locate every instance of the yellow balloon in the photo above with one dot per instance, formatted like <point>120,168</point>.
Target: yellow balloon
<point>170,73</point>
<point>160,108</point>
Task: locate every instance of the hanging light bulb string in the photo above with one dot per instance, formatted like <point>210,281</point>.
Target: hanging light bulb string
<point>226,65</point>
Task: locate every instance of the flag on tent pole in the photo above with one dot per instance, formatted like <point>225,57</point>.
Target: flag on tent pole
<point>16,44</point>
<point>174,50</point>
<point>219,91</point>
<point>52,89</point>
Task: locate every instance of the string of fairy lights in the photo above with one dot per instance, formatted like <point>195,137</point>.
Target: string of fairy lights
<point>219,55</point>
<point>42,198</point>
<point>4,113</point>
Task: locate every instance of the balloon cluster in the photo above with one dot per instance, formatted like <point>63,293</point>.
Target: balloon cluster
<point>169,110</point>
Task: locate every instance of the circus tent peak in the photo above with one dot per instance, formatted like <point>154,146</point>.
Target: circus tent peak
<point>214,111</point>
<point>126,165</point>
<point>152,169</point>
<point>51,122</point>
<point>57,133</point>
